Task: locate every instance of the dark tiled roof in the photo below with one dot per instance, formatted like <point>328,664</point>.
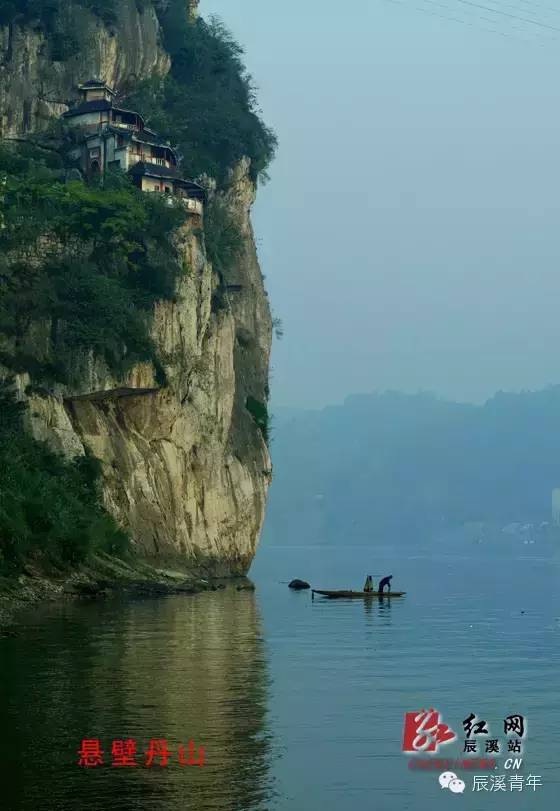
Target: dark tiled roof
<point>89,107</point>
<point>151,137</point>
<point>139,135</point>
<point>144,169</point>
<point>125,133</point>
<point>155,170</point>
<point>96,83</point>
<point>96,106</point>
<point>128,112</point>
<point>194,187</point>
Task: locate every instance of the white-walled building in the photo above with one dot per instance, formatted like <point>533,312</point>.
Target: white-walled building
<point>110,137</point>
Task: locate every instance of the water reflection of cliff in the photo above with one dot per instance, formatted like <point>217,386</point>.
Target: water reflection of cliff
<point>178,669</point>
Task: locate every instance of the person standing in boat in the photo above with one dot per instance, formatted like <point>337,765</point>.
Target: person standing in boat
<point>385,582</point>
<point>369,584</point>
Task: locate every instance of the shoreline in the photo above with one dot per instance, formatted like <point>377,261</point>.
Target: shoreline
<point>101,577</point>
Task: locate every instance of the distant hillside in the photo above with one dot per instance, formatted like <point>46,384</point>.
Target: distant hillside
<point>382,465</point>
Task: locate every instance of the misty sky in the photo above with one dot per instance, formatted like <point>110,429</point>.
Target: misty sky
<point>410,232</point>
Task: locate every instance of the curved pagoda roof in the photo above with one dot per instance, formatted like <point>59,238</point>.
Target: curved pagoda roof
<point>99,105</point>
<point>93,84</point>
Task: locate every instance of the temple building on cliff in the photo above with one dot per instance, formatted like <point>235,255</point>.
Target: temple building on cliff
<point>110,137</point>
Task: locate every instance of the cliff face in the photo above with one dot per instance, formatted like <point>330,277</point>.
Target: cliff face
<point>185,467</point>
<point>38,81</point>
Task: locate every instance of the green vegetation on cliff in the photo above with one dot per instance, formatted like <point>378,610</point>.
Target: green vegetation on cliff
<point>89,261</point>
<point>207,104</point>
<point>224,240</point>
<point>66,33</point>
<point>82,264</point>
<point>46,14</point>
<point>81,267</point>
<point>50,509</point>
<point>259,413</point>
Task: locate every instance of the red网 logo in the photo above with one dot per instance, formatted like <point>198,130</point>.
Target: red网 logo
<point>425,732</point>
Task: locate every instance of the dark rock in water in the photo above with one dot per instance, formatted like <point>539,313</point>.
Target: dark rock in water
<point>90,589</point>
<point>299,584</point>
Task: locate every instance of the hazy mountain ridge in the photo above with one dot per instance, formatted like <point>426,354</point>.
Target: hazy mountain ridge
<point>382,465</point>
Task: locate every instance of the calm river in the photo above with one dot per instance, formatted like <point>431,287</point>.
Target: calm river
<point>299,705</point>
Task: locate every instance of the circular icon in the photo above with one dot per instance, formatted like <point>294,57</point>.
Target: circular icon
<point>456,786</point>
<point>445,779</point>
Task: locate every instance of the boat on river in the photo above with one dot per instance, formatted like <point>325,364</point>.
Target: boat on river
<point>356,594</point>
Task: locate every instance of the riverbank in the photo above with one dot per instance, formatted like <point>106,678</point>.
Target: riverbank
<point>101,577</point>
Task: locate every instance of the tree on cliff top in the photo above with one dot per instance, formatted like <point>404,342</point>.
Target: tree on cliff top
<point>207,104</point>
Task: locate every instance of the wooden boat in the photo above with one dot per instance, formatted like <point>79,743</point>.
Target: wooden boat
<point>352,594</point>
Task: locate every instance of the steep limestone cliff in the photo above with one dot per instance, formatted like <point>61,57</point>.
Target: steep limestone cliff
<point>38,80</point>
<point>185,467</point>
